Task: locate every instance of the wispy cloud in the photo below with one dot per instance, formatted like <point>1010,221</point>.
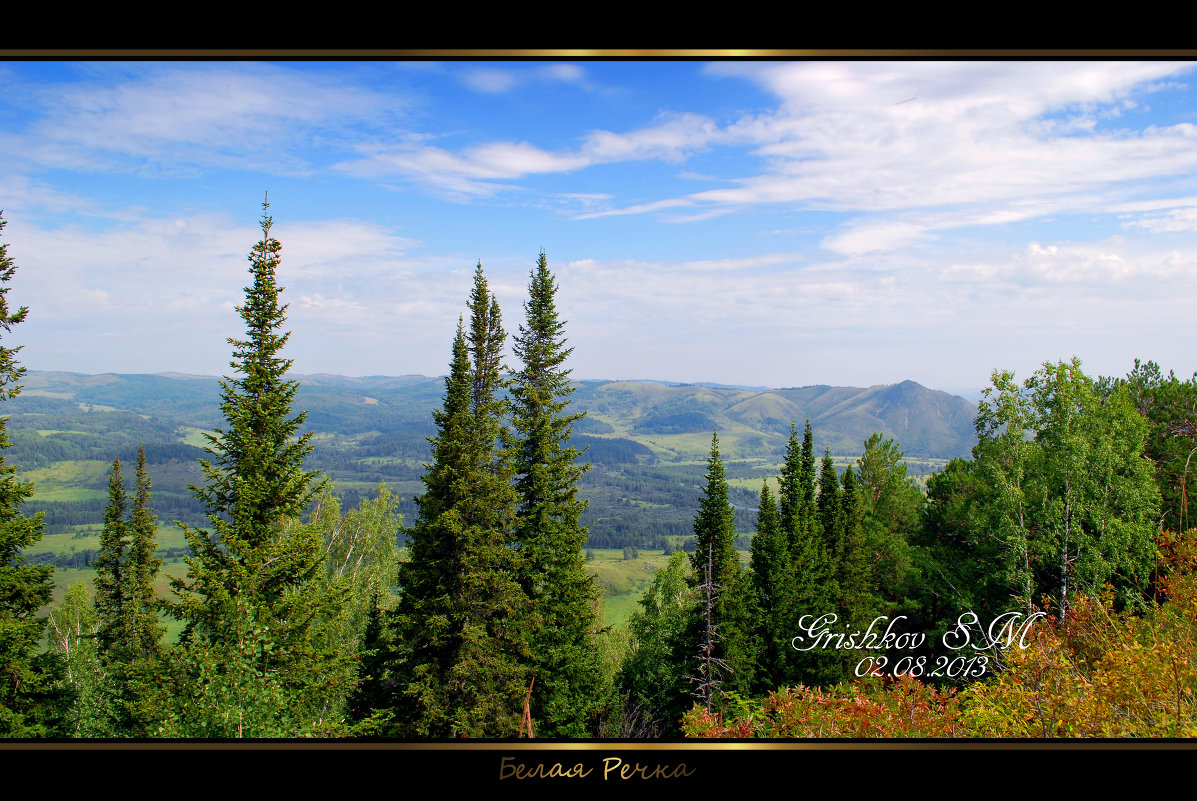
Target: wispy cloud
<point>887,138</point>
<point>173,283</point>
<point>495,80</point>
<point>902,315</point>
<point>481,170</point>
<point>172,118</point>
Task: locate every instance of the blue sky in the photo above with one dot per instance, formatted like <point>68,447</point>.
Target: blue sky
<point>763,223</point>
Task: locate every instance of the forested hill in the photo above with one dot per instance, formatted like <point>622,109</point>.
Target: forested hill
<point>647,441</point>
<point>926,422</point>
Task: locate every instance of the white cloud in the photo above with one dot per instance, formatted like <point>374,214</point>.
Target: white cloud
<point>872,136</point>
<point>870,238</point>
<point>899,314</point>
<point>1164,216</point>
<point>496,80</point>
<point>168,285</point>
<point>478,169</point>
<point>169,117</point>
<point>23,192</point>
<point>491,80</point>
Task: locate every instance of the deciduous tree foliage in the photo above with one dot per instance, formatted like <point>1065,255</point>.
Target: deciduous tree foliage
<point>562,591</point>
<point>72,633</point>
<point>890,502</point>
<point>1069,498</point>
<point>1170,407</point>
<point>1099,672</point>
<point>654,674</point>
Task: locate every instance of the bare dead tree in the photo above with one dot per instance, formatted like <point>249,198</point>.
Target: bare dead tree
<point>711,668</point>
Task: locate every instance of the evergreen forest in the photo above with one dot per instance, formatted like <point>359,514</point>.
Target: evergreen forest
<point>261,557</point>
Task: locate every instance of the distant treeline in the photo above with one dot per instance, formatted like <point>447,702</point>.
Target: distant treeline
<point>61,515</point>
<point>80,560</point>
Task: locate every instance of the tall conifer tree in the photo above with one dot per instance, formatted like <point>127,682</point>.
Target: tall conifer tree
<point>461,623</point>
<point>110,565</point>
<point>128,630</point>
<point>254,478</point>
<point>813,593</point>
<point>145,629</point>
<point>790,489</point>
<point>716,571</point>
<point>854,577</point>
<point>831,520</point>
<point>773,593</point>
<point>808,479</point>
<point>561,589</point>
<point>28,700</point>
<point>249,601</point>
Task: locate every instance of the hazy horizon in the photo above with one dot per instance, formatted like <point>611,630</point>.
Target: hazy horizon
<point>968,394</point>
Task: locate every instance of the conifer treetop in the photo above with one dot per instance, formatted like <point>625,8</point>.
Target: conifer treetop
<point>541,344</point>
<point>715,524</point>
<point>256,478</point>
<point>486,341</point>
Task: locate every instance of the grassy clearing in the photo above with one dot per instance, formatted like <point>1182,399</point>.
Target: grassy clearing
<point>65,578</point>
<point>69,481</point>
<point>195,436</point>
<point>96,407</point>
<point>624,581</point>
<point>87,537</point>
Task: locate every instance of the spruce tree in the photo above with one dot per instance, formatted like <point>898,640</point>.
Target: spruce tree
<point>30,704</point>
<point>136,663</point>
<point>254,478</point>
<point>790,489</point>
<point>829,506</point>
<point>773,594</point>
<point>808,480</point>
<point>854,576</point>
<point>461,623</point>
<point>128,632</point>
<point>716,572</point>
<point>427,617</point>
<point>250,602</point>
<point>812,576</point>
<point>563,592</point>
<point>369,694</point>
<point>831,520</point>
<point>145,630</point>
<point>110,581</point>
